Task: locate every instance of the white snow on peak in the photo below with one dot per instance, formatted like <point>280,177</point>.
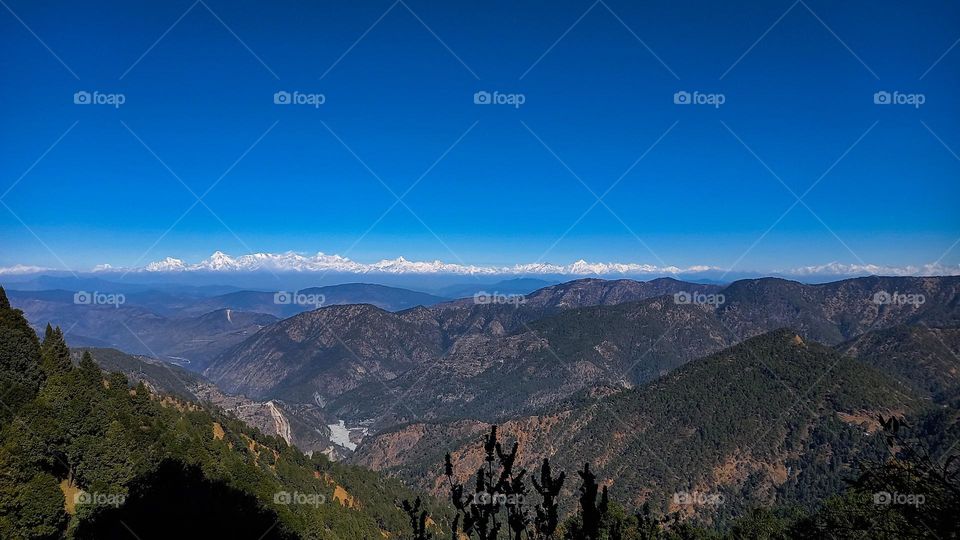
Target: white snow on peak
<point>321,262</point>
<point>291,261</point>
<point>841,269</point>
<point>168,264</point>
<point>21,269</point>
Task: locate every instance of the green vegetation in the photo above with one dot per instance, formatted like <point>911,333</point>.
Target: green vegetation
<point>795,422</point>
<point>924,357</point>
<point>20,373</point>
<point>776,437</point>
<point>166,378</point>
<point>82,455</point>
<point>911,492</point>
<point>638,340</point>
<point>775,420</point>
<point>772,399</point>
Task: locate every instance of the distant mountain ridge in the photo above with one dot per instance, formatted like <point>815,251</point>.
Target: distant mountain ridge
<point>508,286</point>
<point>751,424</point>
<point>191,327</point>
<point>837,311</point>
<point>463,359</point>
<point>925,357</point>
<point>284,356</point>
<point>188,341</point>
<point>220,263</point>
<point>287,303</point>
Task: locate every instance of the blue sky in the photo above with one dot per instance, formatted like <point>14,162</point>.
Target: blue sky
<point>505,184</point>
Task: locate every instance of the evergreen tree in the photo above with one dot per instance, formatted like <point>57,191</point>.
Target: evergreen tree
<point>548,487</point>
<point>497,486</point>
<point>155,464</point>
<point>89,370</point>
<point>20,373</point>
<point>55,355</point>
<point>418,519</point>
<point>590,510</point>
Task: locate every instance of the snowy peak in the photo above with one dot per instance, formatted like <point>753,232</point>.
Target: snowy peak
<point>291,261</point>
<point>168,264</point>
<point>321,262</point>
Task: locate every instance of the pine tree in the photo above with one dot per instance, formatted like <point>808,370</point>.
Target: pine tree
<point>89,370</point>
<point>418,519</point>
<point>20,374</point>
<point>497,486</point>
<point>55,355</point>
<point>591,511</point>
<point>548,487</point>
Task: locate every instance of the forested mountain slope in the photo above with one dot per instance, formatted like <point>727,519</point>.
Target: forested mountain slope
<point>773,419</point>
<point>83,454</point>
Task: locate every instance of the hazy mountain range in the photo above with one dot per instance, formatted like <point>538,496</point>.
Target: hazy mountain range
<point>359,359</point>
<point>322,264</point>
<point>762,390</point>
<point>186,325</point>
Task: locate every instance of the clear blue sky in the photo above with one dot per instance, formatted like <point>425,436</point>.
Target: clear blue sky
<point>401,96</point>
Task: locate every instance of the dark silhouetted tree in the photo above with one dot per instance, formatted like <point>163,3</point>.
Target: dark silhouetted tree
<point>418,519</point>
<point>548,516</point>
<point>591,510</point>
<point>497,486</point>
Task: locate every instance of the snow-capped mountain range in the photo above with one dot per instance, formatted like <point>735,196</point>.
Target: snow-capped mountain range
<point>321,262</point>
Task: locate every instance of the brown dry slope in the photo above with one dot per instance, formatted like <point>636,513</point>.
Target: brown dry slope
<point>751,423</point>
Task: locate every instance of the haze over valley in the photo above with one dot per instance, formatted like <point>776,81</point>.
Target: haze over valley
<point>503,270</point>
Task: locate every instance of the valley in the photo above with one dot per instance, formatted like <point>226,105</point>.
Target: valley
<point>766,395</point>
